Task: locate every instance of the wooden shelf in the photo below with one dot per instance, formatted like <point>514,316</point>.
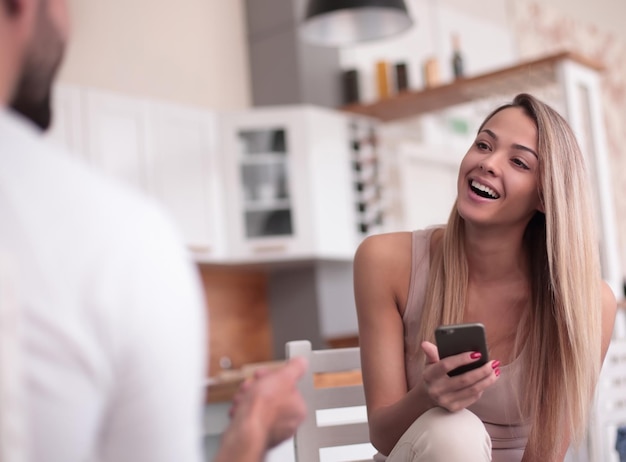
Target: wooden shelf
<point>506,81</point>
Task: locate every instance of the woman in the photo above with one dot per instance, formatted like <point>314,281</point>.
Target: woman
<point>518,254</point>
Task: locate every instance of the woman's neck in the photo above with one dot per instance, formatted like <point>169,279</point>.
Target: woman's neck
<point>495,255</point>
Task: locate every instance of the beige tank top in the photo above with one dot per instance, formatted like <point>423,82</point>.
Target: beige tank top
<point>497,408</point>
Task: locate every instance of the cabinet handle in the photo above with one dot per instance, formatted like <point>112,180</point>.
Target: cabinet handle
<point>199,248</point>
<point>270,248</point>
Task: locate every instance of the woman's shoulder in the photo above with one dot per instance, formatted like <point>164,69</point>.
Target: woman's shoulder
<point>386,246</point>
<point>393,251</point>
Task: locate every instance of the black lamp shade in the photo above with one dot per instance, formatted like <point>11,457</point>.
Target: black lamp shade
<point>346,22</point>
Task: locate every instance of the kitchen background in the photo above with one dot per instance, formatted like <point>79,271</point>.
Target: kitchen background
<point>170,96</point>
<point>203,64</point>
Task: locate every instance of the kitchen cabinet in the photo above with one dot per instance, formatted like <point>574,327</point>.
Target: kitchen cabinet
<point>290,178</point>
<point>186,176</point>
<point>166,150</point>
<point>257,185</point>
<point>116,136</point>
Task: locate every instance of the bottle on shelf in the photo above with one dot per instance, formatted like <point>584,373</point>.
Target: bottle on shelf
<point>457,57</point>
<point>431,73</point>
<point>350,83</point>
<point>382,79</point>
<point>402,77</point>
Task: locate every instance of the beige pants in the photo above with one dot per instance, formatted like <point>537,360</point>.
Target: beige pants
<point>442,436</point>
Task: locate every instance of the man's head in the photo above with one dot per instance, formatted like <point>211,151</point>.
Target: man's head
<point>40,29</point>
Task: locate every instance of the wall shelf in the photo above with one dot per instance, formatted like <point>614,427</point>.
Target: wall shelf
<point>520,77</point>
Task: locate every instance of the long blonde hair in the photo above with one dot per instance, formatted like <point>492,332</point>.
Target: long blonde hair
<point>561,333</point>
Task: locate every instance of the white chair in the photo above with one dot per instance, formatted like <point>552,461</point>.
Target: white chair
<point>336,424</point>
<point>609,410</point>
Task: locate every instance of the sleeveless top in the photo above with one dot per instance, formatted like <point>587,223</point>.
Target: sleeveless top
<point>498,406</point>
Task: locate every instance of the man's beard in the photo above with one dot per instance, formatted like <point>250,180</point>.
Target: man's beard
<point>32,96</point>
<point>37,110</point>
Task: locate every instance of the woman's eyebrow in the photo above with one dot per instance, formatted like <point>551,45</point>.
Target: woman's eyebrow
<point>514,145</point>
<point>525,148</point>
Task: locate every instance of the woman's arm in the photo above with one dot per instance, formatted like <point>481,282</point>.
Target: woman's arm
<point>382,270</point>
<point>382,267</point>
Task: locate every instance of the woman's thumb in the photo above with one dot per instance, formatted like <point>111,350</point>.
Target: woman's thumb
<point>431,352</point>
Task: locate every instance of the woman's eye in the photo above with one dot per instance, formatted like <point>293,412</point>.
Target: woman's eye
<point>520,163</point>
<point>482,146</point>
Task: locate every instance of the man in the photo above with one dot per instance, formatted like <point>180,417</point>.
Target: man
<point>112,318</point>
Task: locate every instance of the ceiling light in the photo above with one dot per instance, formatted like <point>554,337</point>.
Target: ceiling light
<point>347,22</point>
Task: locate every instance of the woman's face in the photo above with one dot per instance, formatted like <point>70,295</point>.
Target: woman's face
<point>498,177</point>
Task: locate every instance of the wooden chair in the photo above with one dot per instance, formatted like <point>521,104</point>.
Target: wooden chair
<point>336,423</point>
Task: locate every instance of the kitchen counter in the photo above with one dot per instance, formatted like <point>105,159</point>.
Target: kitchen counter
<point>223,387</point>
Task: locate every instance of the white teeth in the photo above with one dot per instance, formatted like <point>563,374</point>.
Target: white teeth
<point>487,189</point>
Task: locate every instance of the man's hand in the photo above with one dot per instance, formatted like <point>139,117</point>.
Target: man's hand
<point>270,401</point>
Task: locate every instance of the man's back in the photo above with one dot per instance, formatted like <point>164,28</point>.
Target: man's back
<point>112,315</point>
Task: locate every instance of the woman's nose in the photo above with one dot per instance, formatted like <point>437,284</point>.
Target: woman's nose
<point>489,165</point>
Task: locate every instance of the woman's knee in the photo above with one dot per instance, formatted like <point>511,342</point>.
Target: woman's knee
<point>447,436</point>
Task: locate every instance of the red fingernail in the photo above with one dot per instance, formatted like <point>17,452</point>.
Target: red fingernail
<point>497,372</point>
<point>495,364</point>
<point>475,355</point>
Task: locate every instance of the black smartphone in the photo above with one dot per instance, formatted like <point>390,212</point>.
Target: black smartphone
<point>461,338</point>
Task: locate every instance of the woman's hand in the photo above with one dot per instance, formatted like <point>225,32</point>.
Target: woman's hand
<point>458,392</point>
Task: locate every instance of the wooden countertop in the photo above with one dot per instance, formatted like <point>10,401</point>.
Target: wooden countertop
<point>224,386</point>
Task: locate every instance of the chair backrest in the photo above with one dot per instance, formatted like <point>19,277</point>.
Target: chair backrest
<point>609,412</point>
<point>336,417</point>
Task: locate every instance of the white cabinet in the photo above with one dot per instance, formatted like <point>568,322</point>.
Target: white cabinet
<point>166,150</point>
<point>185,175</point>
<point>257,185</point>
<point>290,184</point>
<point>115,132</point>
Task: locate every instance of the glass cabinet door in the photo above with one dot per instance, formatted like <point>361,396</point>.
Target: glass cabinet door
<point>263,169</point>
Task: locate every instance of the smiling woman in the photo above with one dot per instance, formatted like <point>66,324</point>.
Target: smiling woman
<point>498,177</point>
<point>519,255</point>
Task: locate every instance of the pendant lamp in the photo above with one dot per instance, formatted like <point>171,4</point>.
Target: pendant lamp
<point>347,22</point>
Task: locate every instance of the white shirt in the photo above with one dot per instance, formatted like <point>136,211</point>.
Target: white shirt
<point>113,349</point>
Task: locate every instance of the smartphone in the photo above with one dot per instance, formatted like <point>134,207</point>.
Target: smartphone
<point>461,338</point>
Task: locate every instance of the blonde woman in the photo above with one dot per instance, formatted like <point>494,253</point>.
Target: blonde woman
<point>519,255</point>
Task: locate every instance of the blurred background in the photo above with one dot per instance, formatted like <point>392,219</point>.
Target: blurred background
<point>276,156</point>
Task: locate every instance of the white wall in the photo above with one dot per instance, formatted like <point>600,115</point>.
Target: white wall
<point>188,51</point>
<point>195,51</point>
<point>607,15</point>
